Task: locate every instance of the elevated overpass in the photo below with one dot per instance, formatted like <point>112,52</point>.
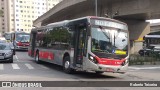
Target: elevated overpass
<point>133,12</point>
<point>155,27</point>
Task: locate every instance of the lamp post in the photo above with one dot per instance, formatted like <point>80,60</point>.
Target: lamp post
<point>95,7</point>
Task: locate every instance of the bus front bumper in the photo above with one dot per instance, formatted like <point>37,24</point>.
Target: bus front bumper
<point>111,68</point>
<point>22,48</point>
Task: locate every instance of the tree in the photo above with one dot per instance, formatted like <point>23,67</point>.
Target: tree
<point>1,13</point>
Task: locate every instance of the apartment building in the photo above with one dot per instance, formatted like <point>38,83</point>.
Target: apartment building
<point>18,15</point>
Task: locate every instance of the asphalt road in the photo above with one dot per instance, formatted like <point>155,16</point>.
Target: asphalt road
<point>25,68</point>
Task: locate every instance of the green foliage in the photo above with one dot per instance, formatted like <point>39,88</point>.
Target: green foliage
<point>140,60</point>
<point>58,35</point>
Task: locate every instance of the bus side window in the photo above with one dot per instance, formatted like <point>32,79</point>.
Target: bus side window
<point>71,30</point>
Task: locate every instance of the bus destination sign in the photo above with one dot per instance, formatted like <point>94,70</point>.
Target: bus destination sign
<point>109,24</point>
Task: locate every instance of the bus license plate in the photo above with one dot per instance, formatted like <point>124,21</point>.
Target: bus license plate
<point>1,57</point>
<point>109,70</point>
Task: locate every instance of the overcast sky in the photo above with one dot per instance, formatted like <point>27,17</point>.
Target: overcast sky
<point>154,21</point>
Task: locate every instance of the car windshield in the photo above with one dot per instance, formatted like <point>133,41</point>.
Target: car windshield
<point>3,41</point>
<point>4,47</point>
<point>109,41</point>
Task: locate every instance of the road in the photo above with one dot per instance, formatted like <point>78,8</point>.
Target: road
<point>25,68</point>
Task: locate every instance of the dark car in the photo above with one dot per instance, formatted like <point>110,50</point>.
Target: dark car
<point>145,52</point>
<point>156,50</point>
<point>6,52</point>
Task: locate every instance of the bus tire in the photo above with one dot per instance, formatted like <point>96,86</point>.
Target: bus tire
<point>37,58</point>
<point>66,65</point>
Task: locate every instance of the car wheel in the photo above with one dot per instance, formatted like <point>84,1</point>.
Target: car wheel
<point>66,65</point>
<point>11,60</point>
<point>37,58</point>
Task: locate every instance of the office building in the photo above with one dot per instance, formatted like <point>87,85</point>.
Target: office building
<point>18,15</point>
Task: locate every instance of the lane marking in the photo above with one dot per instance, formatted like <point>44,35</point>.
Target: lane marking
<point>29,66</point>
<point>42,66</point>
<point>1,66</point>
<point>16,57</point>
<point>15,66</point>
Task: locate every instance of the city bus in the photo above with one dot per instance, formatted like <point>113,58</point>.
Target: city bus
<point>7,36</point>
<point>152,39</point>
<point>90,43</point>
<point>20,40</point>
<point>151,43</point>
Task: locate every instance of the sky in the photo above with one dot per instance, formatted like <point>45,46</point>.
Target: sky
<point>154,21</point>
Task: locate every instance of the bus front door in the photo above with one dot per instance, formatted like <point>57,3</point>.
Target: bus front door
<point>79,45</point>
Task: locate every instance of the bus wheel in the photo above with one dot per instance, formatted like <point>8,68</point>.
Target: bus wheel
<point>37,58</point>
<point>66,65</point>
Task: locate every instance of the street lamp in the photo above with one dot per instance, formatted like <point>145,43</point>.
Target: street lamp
<point>96,7</point>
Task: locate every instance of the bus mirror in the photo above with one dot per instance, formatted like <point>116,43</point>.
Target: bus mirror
<point>100,27</point>
<point>88,31</point>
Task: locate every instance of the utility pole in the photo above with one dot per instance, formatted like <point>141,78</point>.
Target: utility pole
<point>95,7</point>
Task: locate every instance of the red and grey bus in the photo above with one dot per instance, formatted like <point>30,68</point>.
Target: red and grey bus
<point>89,44</point>
<point>7,36</point>
<point>20,40</point>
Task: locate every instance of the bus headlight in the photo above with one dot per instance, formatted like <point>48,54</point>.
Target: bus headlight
<point>93,59</point>
<point>124,62</point>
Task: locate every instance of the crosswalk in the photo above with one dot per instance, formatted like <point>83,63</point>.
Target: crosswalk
<point>29,66</point>
<point>1,67</point>
<point>16,66</point>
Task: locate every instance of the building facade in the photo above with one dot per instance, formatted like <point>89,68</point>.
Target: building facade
<point>18,15</point>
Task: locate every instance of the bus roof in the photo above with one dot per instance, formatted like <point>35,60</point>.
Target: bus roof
<point>153,35</point>
<point>62,23</point>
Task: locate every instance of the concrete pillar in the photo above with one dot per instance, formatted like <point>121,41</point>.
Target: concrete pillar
<point>137,29</point>
<point>38,24</point>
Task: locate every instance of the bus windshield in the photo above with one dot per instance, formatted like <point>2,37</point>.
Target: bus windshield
<point>22,37</point>
<point>107,42</point>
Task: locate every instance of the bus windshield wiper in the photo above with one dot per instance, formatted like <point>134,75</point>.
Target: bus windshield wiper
<point>104,33</point>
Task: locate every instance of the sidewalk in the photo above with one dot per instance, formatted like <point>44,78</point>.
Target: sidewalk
<point>145,63</point>
<point>140,67</point>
